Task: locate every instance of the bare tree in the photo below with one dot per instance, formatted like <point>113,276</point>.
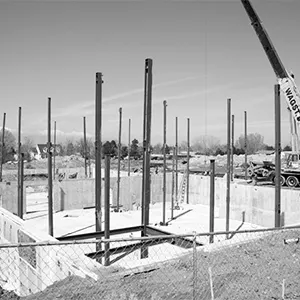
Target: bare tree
<point>79,148</point>
<point>206,144</point>
<point>183,146</point>
<point>255,142</point>
<point>27,148</point>
<point>9,145</point>
<point>157,148</point>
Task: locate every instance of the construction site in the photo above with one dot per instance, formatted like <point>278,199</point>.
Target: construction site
<point>101,230</point>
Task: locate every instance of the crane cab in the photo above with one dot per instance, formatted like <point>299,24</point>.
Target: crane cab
<point>292,160</point>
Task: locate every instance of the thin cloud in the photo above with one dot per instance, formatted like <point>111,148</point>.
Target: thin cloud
<point>81,108</point>
<point>186,96</point>
<point>62,133</point>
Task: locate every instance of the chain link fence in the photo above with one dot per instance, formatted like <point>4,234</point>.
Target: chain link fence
<point>253,264</point>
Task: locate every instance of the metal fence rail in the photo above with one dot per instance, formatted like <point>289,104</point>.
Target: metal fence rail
<point>252,264</point>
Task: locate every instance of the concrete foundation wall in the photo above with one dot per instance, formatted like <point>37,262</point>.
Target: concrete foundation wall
<point>67,171</point>
<point>131,190</point>
<point>9,197</point>
<point>27,270</point>
<point>76,194</point>
<point>80,193</point>
<point>256,201</point>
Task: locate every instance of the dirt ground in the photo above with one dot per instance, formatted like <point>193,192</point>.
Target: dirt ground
<point>251,270</point>
<point>5,295</point>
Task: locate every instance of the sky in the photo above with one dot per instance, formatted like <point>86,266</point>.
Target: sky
<point>203,52</point>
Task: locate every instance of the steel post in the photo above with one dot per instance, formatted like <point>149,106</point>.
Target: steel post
<point>228,166</point>
<point>129,145</point>
<point>50,192</point>
<point>147,154</point>
<point>173,183</point>
<point>84,148</point>
<point>232,145</point>
<point>107,209</point>
<point>212,200</point>
<point>2,148</point>
<point>19,164</point>
<point>277,156</point>
<point>176,158</point>
<point>119,159</point>
<point>246,162</point>
<point>54,149</point>
<point>22,186</point>
<point>188,163</point>
<point>165,162</point>
<point>98,154</point>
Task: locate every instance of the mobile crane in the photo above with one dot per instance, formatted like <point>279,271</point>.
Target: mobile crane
<point>289,176</point>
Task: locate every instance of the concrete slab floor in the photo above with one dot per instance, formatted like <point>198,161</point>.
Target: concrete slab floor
<point>82,221</point>
<point>64,222</point>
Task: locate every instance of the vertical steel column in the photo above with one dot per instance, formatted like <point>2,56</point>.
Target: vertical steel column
<point>146,156</point>
<point>165,162</point>
<point>119,159</point>
<point>173,183</point>
<point>107,209</point>
<point>129,145</point>
<point>98,154</point>
<point>176,158</point>
<point>144,148</point>
<point>212,200</point>
<point>19,164</point>
<point>50,193</point>
<point>232,146</point>
<point>54,149</point>
<point>2,148</point>
<point>228,165</point>
<point>246,162</point>
<point>22,186</point>
<point>277,156</point>
<point>84,147</point>
<point>148,141</point>
<point>188,163</point>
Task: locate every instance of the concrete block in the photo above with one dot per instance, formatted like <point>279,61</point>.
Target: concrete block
<point>31,269</point>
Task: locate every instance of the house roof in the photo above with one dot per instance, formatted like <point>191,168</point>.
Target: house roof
<point>43,148</point>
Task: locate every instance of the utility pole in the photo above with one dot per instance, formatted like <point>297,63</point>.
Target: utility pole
<point>277,156</point>
<point>3,148</point>
<point>165,162</point>
<point>246,144</point>
<point>98,154</point>
<point>129,145</point>
<point>119,158</point>
<point>188,163</point>
<point>228,166</point>
<point>19,165</point>
<point>50,193</point>
<point>84,148</point>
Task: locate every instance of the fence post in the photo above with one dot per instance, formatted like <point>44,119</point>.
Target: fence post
<point>194,267</point>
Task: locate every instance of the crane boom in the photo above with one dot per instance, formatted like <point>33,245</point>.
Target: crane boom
<point>285,80</point>
<point>265,40</point>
